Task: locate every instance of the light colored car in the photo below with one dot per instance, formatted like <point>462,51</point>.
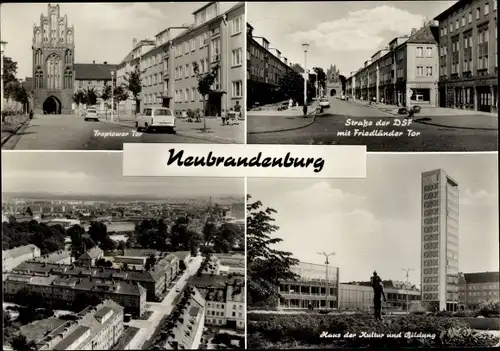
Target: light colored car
<point>91,113</point>
<point>342,97</point>
<point>155,118</point>
<point>324,103</point>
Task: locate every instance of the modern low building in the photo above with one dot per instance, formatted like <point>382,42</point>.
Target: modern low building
<point>317,286</point>
<point>478,288</point>
<point>359,296</point>
<point>405,72</point>
<point>225,299</point>
<point>440,241</point>
<point>97,328</point>
<point>14,257</point>
<point>468,56</point>
<point>62,291</point>
<point>265,67</point>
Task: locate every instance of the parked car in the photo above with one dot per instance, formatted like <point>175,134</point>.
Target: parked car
<point>342,97</point>
<point>324,103</point>
<point>91,114</point>
<point>156,118</point>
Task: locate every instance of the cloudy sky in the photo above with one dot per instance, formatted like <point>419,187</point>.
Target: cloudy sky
<point>100,173</point>
<point>345,33</point>
<point>103,31</point>
<point>374,223</point>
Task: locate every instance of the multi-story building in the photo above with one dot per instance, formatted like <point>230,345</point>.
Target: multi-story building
<point>468,62</point>
<point>95,76</point>
<point>225,299</point>
<point>404,73</point>
<point>14,257</point>
<point>214,40</point>
<point>265,67</point>
<point>97,328</point>
<point>62,291</point>
<point>359,295</point>
<point>155,281</point>
<point>477,288</point>
<point>187,333</point>
<point>439,252</point>
<point>317,286</point>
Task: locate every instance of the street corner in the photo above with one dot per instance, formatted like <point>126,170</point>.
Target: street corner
<point>274,124</point>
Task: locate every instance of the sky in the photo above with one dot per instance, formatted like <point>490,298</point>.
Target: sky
<point>100,173</point>
<point>374,223</point>
<point>103,31</point>
<point>344,33</point>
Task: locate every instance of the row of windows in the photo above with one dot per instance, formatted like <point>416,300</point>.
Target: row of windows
<point>215,305</point>
<point>431,237</point>
<point>192,94</point>
<point>431,220</point>
<point>420,71</point>
<point>431,246</point>
<point>430,204</point>
<point>430,287</point>
<point>431,262</point>
<point>420,51</point>
<point>431,229</point>
<point>431,195</point>
<point>430,296</point>
<point>431,254</point>
<point>431,280</point>
<point>483,286</point>
<point>431,187</point>
<point>482,293</point>
<point>153,79</point>
<point>432,212</point>
<point>486,11</point>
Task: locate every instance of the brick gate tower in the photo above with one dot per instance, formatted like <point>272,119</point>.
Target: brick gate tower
<point>53,59</point>
<point>333,83</point>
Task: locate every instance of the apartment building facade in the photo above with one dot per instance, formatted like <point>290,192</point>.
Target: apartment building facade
<point>478,288</point>
<point>404,73</point>
<point>62,291</point>
<point>95,76</point>
<point>468,60</point>
<point>440,242</point>
<point>317,287</point>
<point>97,328</point>
<point>265,67</point>
<point>215,40</point>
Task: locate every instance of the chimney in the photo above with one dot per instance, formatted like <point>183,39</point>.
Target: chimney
<point>93,62</point>
<point>134,43</point>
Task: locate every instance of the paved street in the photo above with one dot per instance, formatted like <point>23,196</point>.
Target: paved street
<point>160,309</point>
<point>69,132</point>
<point>350,123</point>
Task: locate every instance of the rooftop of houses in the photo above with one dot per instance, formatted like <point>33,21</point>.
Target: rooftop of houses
<point>184,332</point>
<point>54,257</point>
<point>72,335</point>
<point>93,71</point>
<point>92,254</point>
<point>482,277</point>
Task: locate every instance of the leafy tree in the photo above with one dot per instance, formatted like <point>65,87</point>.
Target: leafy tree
<point>21,343</point>
<point>108,244</point>
<point>266,266</point>
<point>29,212</point>
<point>9,73</point>
<point>105,96</point>
<point>76,233</point>
<point>150,262</point>
<point>227,237</point>
<point>291,86</point>
<point>343,81</point>
<point>209,231</point>
<point>321,77</point>
<point>120,94</point>
<point>134,85</point>
<point>79,98</point>
<point>90,96</point>
<point>205,84</point>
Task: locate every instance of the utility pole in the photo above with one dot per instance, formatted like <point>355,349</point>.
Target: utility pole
<point>326,273</point>
<point>306,47</point>
<point>408,270</point>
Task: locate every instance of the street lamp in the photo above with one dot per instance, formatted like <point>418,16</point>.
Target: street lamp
<point>306,47</point>
<point>326,273</point>
<point>2,49</point>
<point>408,270</point>
<point>112,96</point>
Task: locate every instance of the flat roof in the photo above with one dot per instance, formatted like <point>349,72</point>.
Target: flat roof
<point>71,338</point>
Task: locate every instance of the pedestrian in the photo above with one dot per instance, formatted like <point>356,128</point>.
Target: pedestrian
<point>237,111</point>
<point>31,114</point>
<point>378,294</point>
<point>290,104</point>
<point>223,117</point>
<point>304,110</point>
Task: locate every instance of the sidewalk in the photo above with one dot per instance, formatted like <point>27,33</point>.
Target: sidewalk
<point>216,132</point>
<point>444,117</point>
<point>12,125</point>
<point>271,121</point>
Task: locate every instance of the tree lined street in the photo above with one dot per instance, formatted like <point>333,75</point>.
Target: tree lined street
<point>333,126</point>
